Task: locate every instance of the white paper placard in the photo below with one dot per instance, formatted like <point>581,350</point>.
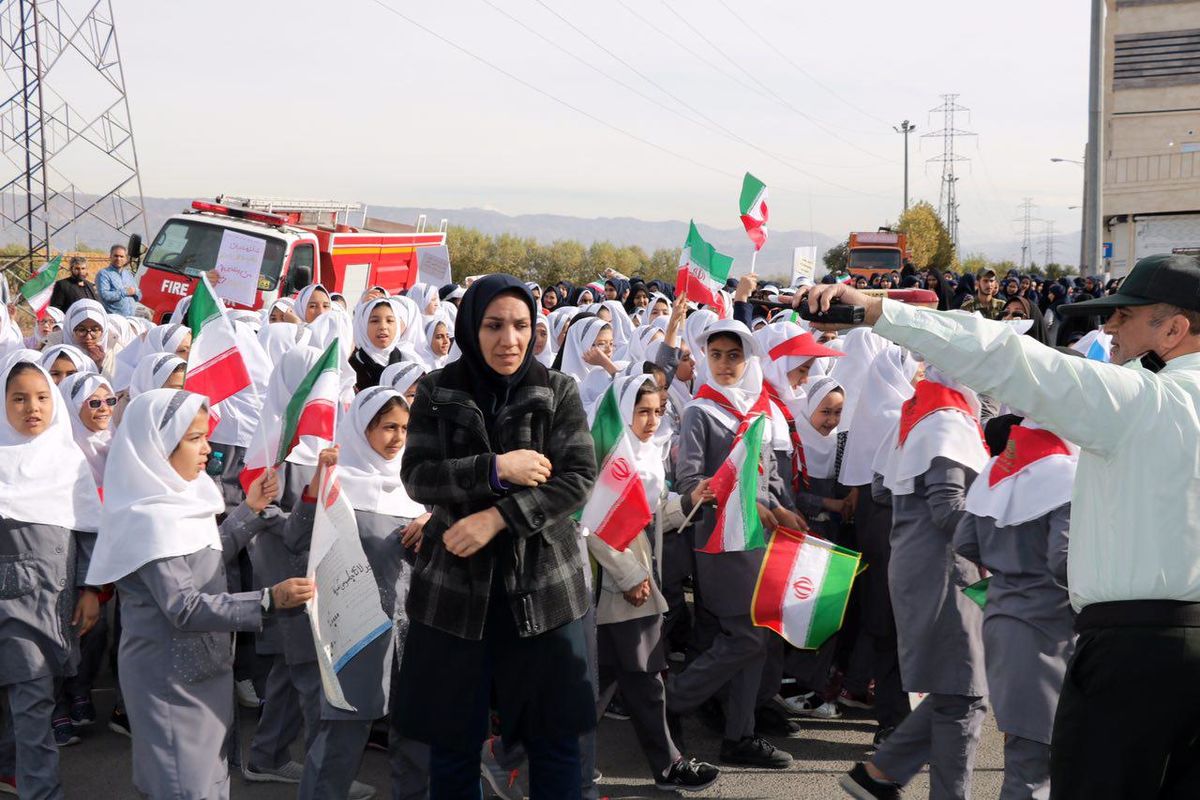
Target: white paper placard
<point>345,613</point>
<point>433,266</point>
<point>235,275</point>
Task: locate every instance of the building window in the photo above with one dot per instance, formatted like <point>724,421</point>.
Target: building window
<point>1147,60</point>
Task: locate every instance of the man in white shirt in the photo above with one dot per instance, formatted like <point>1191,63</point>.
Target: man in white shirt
<point>1128,720</point>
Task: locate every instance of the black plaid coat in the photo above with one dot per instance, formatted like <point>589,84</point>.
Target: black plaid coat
<point>447,466</point>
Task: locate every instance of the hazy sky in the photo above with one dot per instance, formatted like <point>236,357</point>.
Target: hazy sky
<point>348,100</point>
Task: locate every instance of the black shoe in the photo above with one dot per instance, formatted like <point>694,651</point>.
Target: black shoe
<point>770,722</point>
<point>688,776</point>
<point>882,734</point>
<point>712,715</point>
<point>857,783</point>
<point>82,712</point>
<point>754,751</point>
<point>377,739</point>
<point>675,728</point>
<point>616,709</point>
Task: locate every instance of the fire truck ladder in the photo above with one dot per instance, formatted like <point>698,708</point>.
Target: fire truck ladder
<point>308,209</point>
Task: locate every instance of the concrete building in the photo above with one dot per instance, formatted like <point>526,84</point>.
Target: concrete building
<point>1151,147</point>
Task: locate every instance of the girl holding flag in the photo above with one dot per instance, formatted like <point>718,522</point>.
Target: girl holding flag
<point>630,604</point>
<point>725,408</point>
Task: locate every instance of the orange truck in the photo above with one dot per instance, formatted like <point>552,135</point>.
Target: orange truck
<point>291,243</point>
<point>872,253</point>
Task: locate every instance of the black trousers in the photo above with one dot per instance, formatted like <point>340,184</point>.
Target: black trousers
<point>1128,720</point>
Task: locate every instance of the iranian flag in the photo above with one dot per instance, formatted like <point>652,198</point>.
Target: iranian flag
<point>312,411</point>
<point>702,271</point>
<point>40,286</point>
<point>215,367</point>
<point>736,487</point>
<point>753,205</point>
<point>618,509</point>
<point>803,587</point>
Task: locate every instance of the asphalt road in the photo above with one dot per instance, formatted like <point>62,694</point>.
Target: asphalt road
<point>99,767</point>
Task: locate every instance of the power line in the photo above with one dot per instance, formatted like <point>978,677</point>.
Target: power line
<point>628,134</point>
<point>797,67</point>
<point>779,98</point>
<point>947,195</point>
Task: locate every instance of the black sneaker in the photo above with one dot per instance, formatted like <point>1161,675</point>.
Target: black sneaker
<point>770,722</point>
<point>857,783</point>
<point>754,751</point>
<point>64,732</point>
<point>119,723</point>
<point>616,709</point>
<point>882,734</point>
<point>688,776</point>
<point>82,712</point>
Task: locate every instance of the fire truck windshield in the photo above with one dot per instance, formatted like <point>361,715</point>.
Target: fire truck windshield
<point>190,247</point>
<point>868,258</point>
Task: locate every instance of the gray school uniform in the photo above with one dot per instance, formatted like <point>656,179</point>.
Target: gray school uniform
<point>725,585</point>
<point>1028,625</point>
<point>366,680</point>
<point>176,659</point>
<point>41,569</point>
<point>939,628</point>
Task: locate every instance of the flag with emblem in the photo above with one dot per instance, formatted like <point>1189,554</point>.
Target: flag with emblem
<point>753,205</point>
<point>40,286</point>
<point>803,587</point>
<point>215,367</point>
<point>618,509</point>
<point>736,488</point>
<point>702,271</point>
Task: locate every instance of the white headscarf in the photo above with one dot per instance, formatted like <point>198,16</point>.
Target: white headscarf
<point>159,339</point>
<point>370,482</point>
<point>580,338</point>
<point>280,337</point>
<point>362,338</point>
<point>1029,493</point>
<point>76,390</point>
<point>861,347</point>
<point>434,361</point>
<point>547,354</point>
<point>150,511</point>
<point>286,303</point>
<point>693,333</point>
<point>10,335</point>
<point>413,333</point>
<point>942,434</point>
<point>820,452</point>
<point>73,354</point>
<point>82,310</point>
<point>152,372</point>
<point>283,384</point>
<point>888,384</point>
<point>743,394</point>
<point>45,478</point>
<point>645,344</point>
<point>337,324</point>
<point>423,294</point>
<point>303,296</point>
<point>622,326</point>
<point>38,337</point>
<point>402,375</point>
<point>649,454</point>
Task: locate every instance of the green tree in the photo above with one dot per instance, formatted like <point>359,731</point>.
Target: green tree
<point>929,245</point>
<point>663,265</point>
<point>837,258</point>
<point>972,263</point>
<point>1054,271</point>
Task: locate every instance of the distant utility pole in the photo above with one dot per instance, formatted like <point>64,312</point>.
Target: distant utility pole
<point>948,197</point>
<point>1026,220</point>
<point>906,128</point>
<point>1049,242</point>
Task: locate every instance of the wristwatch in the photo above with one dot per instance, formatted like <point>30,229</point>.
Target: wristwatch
<point>268,601</point>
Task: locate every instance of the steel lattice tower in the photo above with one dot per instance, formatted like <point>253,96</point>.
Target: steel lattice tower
<point>948,196</point>
<point>64,124</point>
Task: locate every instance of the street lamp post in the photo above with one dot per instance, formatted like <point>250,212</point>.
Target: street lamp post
<point>1083,239</point>
<point>906,128</point>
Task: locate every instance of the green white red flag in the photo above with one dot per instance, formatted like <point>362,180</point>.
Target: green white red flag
<point>312,411</point>
<point>215,366</point>
<point>40,286</point>
<point>803,587</point>
<point>702,271</point>
<point>618,509</point>
<point>753,205</point>
<point>735,485</point>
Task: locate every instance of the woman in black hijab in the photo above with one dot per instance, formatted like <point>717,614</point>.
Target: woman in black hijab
<point>499,448</point>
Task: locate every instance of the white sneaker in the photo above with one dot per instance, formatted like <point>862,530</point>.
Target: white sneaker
<point>811,705</point>
<point>291,772</point>
<point>246,696</point>
<point>360,791</point>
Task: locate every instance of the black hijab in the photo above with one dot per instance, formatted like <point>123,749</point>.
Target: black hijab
<point>489,388</point>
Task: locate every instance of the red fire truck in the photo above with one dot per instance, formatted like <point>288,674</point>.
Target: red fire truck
<point>300,241</point>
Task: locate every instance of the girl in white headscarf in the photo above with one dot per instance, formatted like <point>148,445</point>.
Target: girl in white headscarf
<point>10,334</point>
<point>48,512</point>
<point>63,360</point>
<point>280,337</point>
<point>426,298</point>
<point>170,338</point>
<point>403,378</point>
<point>377,330</point>
<point>160,543</point>
<point>543,349</point>
<point>311,302</point>
<point>370,445</point>
<point>630,604</point>
<point>860,345</point>
<point>155,371</point>
<point>44,328</point>
<point>282,310</point>
<point>91,401</point>
<point>588,357</point>
<point>87,327</point>
<point>438,343</point>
